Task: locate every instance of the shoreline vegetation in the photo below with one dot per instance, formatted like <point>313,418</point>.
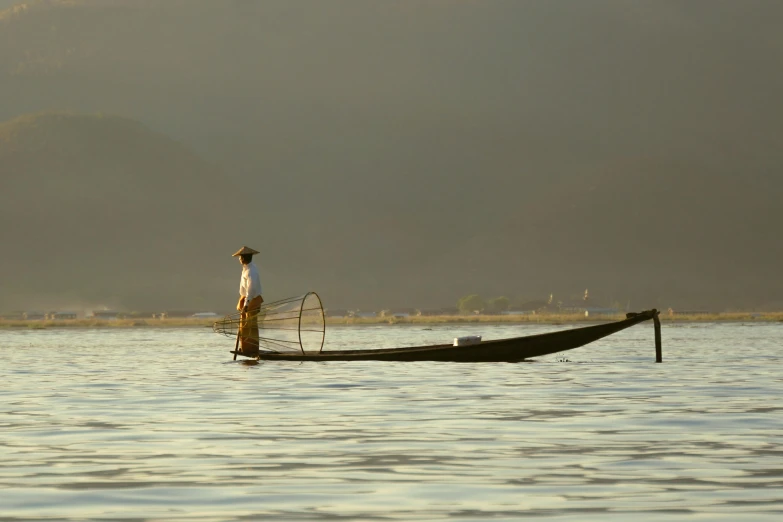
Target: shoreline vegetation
<point>553,319</point>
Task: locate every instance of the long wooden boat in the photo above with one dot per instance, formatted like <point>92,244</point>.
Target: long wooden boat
<point>502,350</point>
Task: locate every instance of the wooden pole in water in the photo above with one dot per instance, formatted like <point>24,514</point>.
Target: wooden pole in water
<point>236,345</point>
<point>658,343</point>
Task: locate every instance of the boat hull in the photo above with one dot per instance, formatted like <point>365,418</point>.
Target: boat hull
<point>502,350</point>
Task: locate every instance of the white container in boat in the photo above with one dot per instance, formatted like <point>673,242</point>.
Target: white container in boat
<point>467,340</point>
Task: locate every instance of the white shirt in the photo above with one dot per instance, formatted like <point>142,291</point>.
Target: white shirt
<point>250,283</point>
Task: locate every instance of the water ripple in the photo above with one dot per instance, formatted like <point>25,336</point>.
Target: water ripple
<point>163,425</point>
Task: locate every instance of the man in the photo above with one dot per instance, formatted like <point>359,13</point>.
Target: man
<point>249,301</point>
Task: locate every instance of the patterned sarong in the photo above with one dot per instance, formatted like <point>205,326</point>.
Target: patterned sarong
<point>248,330</point>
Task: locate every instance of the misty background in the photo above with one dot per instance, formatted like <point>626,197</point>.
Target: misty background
<point>391,154</point>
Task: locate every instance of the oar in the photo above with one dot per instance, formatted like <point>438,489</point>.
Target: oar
<point>236,345</point>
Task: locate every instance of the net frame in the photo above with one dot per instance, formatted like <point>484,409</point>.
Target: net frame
<point>284,315</point>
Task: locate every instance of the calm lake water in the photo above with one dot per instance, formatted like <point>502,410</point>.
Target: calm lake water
<point>154,424</point>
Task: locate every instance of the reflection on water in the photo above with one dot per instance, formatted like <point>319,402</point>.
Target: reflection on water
<point>151,424</point>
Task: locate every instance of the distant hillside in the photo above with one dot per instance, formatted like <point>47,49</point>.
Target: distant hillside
<point>409,153</point>
<point>100,209</point>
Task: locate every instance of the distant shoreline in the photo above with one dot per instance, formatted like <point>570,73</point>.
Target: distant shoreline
<point>553,319</point>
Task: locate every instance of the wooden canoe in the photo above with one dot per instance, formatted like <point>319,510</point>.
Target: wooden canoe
<point>514,349</point>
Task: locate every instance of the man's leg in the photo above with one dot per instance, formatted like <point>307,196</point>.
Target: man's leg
<point>250,347</point>
<point>250,328</point>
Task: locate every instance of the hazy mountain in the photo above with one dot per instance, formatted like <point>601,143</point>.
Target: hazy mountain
<point>411,152</point>
<point>100,210</point>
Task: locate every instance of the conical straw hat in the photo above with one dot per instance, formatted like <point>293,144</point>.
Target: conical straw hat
<point>245,250</point>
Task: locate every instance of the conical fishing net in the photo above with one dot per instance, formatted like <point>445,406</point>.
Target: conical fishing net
<point>295,324</point>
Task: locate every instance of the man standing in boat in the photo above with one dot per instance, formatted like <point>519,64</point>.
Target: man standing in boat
<point>249,301</point>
